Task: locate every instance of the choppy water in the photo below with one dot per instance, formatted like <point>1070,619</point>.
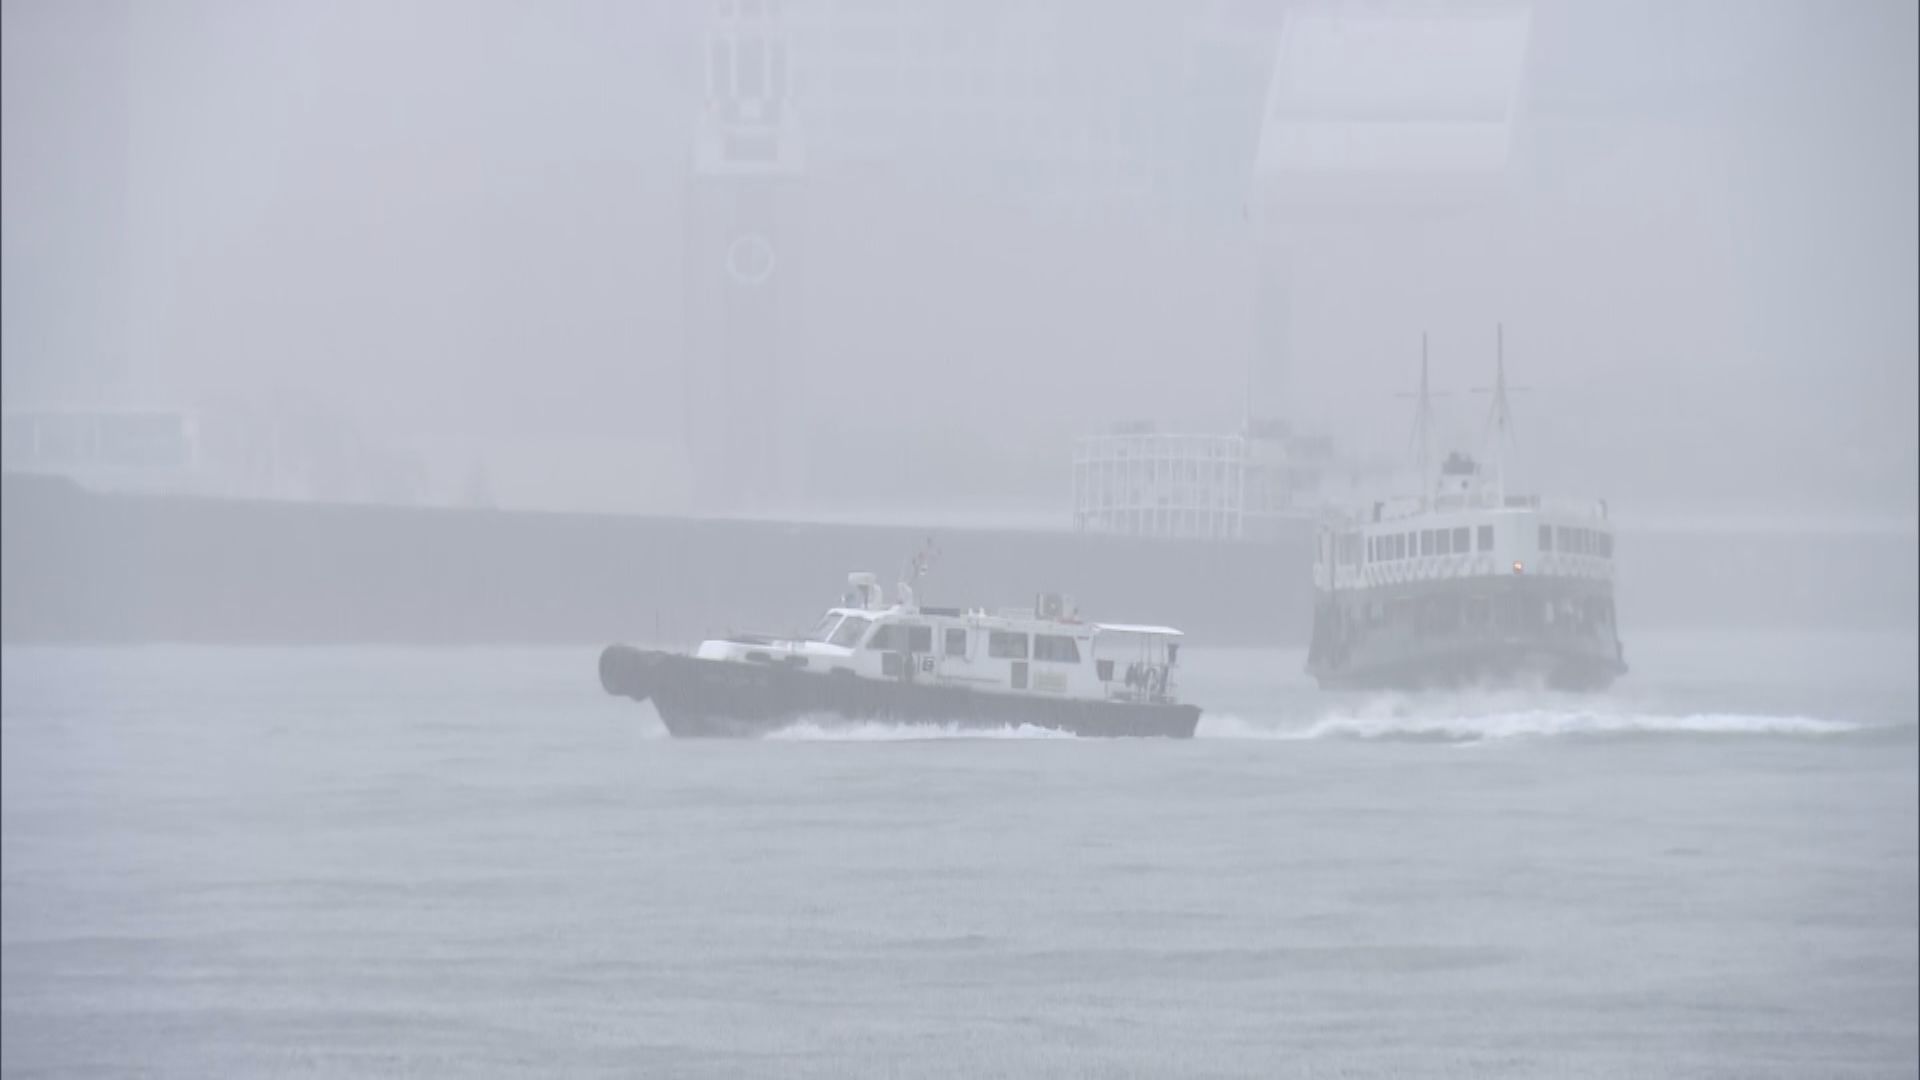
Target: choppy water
<point>382,862</point>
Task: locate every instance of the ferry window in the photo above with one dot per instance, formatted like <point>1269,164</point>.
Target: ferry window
<point>1055,648</point>
<point>919,639</point>
<point>1007,645</point>
<point>956,643</point>
<point>1606,545</point>
<point>1561,538</point>
<point>1486,538</point>
<point>1400,545</point>
<point>1372,550</point>
<point>850,631</point>
<point>1546,538</point>
<point>1442,542</point>
<point>1426,541</point>
<point>1461,545</point>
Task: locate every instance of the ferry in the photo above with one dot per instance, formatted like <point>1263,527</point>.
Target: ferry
<point>868,659</point>
<point>1465,584</point>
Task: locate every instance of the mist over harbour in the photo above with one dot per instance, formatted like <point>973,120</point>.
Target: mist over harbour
<point>844,538</point>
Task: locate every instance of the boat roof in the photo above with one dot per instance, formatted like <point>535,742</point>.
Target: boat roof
<point>1130,628</point>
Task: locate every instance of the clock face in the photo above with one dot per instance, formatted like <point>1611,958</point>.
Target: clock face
<point>750,259</point>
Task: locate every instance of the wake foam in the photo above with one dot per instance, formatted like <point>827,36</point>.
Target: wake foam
<point>890,731</point>
<point>1402,723</point>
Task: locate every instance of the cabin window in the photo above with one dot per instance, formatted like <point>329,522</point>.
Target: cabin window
<point>902,637</point>
<point>1399,545</point>
<point>1606,545</point>
<point>1442,542</point>
<point>849,633</point>
<point>1055,648</point>
<point>1371,551</point>
<point>1486,538</point>
<point>1562,538</point>
<point>1546,538</point>
<point>1461,543</point>
<point>1006,645</point>
<point>823,630</point>
<point>956,641</point>
<point>1427,546</point>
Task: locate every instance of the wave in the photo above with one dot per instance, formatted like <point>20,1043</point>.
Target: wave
<point>1402,723</point>
<point>890,731</point>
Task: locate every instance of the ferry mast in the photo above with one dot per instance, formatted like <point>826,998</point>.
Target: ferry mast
<point>1422,438</point>
<point>1500,414</point>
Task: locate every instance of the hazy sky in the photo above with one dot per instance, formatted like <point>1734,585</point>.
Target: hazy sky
<point>463,229</point>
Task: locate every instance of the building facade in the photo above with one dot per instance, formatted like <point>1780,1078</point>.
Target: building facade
<point>1256,485</point>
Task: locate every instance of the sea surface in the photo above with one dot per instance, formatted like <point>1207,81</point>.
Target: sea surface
<point>387,862</point>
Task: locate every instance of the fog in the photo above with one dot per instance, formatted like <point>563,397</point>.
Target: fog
<point>432,428</point>
<point>465,238</point>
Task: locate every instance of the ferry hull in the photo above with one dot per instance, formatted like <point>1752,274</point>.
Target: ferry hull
<point>1417,637</point>
<point>726,699</point>
<point>1491,664</point>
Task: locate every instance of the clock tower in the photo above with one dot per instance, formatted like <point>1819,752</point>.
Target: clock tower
<point>741,262</point>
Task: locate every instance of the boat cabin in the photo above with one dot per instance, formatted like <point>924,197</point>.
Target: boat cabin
<point>1468,529</point>
<point>1043,650</point>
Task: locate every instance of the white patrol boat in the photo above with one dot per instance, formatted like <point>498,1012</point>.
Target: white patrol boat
<point>907,663</point>
<point>1465,584</point>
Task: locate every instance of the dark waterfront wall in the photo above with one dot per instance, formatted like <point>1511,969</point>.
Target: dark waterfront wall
<point>84,567</point>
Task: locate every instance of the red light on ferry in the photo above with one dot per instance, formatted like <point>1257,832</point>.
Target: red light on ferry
<point>1518,566</point>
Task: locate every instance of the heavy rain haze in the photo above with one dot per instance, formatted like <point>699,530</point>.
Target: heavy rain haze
<point>715,538</point>
<point>461,239</point>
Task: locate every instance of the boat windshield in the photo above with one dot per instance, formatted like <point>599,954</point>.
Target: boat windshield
<point>823,630</point>
<point>850,632</point>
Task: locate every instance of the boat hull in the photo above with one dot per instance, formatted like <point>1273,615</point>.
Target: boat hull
<point>1482,664</point>
<point>727,699</point>
<point>1491,632</point>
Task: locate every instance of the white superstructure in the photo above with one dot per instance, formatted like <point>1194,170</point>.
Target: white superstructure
<point>1471,528</point>
<point>1045,650</point>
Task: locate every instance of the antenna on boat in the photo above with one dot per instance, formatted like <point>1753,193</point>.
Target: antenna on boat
<point>1500,414</point>
<point>1423,422</point>
<point>917,568</point>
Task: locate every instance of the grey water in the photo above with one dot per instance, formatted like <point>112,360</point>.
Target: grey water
<point>346,862</point>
